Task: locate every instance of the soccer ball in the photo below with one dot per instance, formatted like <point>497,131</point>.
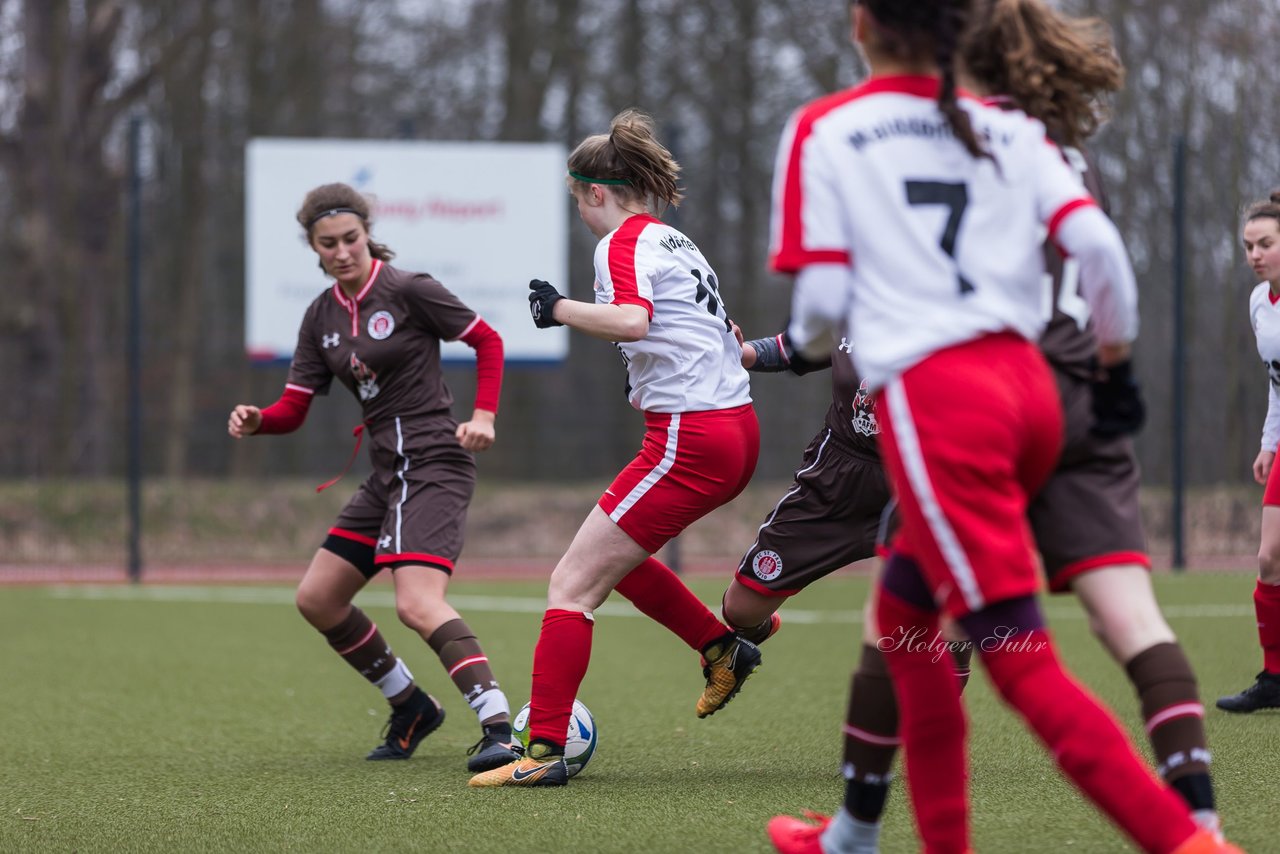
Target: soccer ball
<point>580,743</point>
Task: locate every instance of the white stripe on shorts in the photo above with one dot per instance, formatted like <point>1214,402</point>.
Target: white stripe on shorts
<point>655,474</point>
<point>904,428</point>
<point>404,485</point>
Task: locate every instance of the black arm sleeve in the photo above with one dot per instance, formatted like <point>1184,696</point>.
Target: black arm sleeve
<point>769,358</point>
<point>776,354</point>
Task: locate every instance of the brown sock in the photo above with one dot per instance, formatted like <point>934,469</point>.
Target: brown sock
<point>961,655</point>
<point>468,667</point>
<point>758,633</point>
<point>870,737</point>
<point>1174,719</point>
<point>362,646</point>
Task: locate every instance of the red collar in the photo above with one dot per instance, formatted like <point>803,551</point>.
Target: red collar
<point>350,305</point>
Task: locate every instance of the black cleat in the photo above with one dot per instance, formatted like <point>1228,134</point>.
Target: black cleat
<point>410,722</point>
<point>1262,694</point>
<point>493,751</point>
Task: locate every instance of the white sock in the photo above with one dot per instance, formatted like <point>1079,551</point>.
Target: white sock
<point>848,835</point>
<point>1209,820</point>
<point>489,704</point>
<point>396,680</point>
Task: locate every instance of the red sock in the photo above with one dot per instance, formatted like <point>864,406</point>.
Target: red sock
<point>661,596</point>
<point>1266,604</point>
<point>1086,741</point>
<point>931,722</point>
<point>559,663</point>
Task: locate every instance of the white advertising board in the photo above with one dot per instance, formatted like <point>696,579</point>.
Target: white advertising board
<point>484,218</point>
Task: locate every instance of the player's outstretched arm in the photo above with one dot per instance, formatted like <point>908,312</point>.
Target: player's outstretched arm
<point>244,421</point>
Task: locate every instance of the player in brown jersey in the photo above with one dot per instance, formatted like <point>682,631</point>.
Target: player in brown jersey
<point>378,331</point>
<point>1086,520</point>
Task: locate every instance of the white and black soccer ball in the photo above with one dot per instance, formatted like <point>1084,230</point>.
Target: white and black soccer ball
<point>580,741</point>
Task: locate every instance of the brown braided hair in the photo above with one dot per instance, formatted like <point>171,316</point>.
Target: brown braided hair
<point>1055,68</point>
<point>630,153</point>
<point>339,197</point>
<point>914,29</point>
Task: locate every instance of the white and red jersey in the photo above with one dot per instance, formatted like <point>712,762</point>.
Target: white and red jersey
<point>689,361</point>
<point>941,247</point>
<point>1264,317</point>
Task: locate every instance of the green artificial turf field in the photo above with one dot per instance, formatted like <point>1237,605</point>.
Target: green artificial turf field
<point>186,719</point>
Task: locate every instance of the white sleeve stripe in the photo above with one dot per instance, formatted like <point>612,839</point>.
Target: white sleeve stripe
<point>465,332</point>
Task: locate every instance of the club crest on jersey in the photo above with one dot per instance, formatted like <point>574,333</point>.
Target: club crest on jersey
<point>331,339</point>
<point>381,325</point>
<point>864,412</point>
<point>366,379</point>
<point>767,565</point>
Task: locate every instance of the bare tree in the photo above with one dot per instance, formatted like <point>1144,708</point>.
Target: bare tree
<point>63,169</point>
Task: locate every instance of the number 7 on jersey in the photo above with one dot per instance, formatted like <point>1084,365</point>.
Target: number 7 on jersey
<point>955,197</point>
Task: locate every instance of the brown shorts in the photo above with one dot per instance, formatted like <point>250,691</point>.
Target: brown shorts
<point>1088,516</point>
<point>413,508</point>
<point>829,518</point>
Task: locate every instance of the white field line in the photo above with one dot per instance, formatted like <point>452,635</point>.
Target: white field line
<point>526,605</point>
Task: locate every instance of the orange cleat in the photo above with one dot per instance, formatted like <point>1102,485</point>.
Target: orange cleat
<point>1205,841</point>
<point>791,835</point>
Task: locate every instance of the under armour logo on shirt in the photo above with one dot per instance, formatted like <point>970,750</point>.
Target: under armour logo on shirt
<point>385,541</point>
<point>328,341</point>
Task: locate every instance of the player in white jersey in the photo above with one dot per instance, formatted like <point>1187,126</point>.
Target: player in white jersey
<point>689,361</point>
<point>913,216</point>
<point>658,299</point>
<point>1086,519</point>
<point>1261,238</point>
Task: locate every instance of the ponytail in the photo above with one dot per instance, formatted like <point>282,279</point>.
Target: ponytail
<point>630,160</point>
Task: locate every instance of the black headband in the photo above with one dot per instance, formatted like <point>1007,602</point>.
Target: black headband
<point>332,212</point>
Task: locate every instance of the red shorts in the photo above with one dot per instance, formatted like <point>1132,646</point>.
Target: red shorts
<point>968,436</point>
<point>690,464</point>
<point>1271,495</point>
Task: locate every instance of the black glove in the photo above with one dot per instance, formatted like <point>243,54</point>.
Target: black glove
<point>542,299</point>
<point>1118,409</point>
<point>797,363</point>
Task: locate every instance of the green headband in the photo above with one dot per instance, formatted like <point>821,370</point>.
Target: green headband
<point>616,181</point>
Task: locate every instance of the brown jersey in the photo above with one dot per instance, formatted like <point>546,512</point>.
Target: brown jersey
<point>1087,516</point>
<point>852,414</point>
<point>384,345</point>
<point>1068,341</point>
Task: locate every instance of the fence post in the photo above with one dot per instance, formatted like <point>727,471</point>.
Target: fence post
<point>1179,351</point>
<point>133,226</point>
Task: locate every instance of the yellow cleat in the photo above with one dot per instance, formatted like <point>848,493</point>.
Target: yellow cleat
<point>725,672</point>
<point>525,772</point>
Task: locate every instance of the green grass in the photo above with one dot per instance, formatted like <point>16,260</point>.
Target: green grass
<point>180,719</point>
